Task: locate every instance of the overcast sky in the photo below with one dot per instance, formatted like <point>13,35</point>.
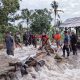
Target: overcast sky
<point>71,8</point>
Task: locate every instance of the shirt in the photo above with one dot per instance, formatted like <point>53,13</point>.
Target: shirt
<point>9,42</point>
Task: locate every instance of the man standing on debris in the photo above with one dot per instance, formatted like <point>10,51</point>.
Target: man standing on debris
<point>73,43</point>
<point>9,44</point>
<point>66,44</point>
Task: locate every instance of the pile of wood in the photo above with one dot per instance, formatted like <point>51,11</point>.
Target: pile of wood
<point>36,62</point>
<point>5,69</point>
<point>48,49</point>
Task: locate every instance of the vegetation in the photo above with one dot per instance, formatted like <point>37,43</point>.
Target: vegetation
<point>41,21</point>
<point>7,9</point>
<point>37,21</point>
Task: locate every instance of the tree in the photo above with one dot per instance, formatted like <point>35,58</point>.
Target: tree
<point>26,15</point>
<point>41,21</point>
<point>55,6</point>
<point>8,7</point>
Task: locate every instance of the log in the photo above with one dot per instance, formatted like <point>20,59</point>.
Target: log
<point>5,70</point>
<point>31,62</point>
<point>4,65</point>
<point>49,49</point>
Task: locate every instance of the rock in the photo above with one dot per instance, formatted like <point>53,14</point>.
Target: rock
<point>58,58</point>
<point>41,63</point>
<point>33,76</point>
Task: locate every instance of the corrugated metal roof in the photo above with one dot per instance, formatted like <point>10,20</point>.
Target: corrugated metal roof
<point>71,22</point>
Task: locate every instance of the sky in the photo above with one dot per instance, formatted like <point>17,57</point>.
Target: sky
<point>71,8</point>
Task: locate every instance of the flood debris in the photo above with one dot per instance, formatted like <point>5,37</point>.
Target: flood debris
<point>6,67</point>
<point>58,58</point>
<point>41,63</point>
<point>36,62</point>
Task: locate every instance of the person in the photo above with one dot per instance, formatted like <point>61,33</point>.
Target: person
<point>44,39</point>
<point>57,37</point>
<point>9,44</point>
<point>52,38</point>
<point>34,41</point>
<point>73,43</point>
<point>24,38</point>
<point>66,44</point>
<point>69,37</point>
<point>30,38</point>
<point>17,40</point>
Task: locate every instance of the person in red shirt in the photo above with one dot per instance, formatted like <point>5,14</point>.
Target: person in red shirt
<point>57,38</point>
<point>44,39</point>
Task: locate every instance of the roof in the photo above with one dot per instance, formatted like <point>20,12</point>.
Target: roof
<point>71,22</point>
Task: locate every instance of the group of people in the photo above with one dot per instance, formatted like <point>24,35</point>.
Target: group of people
<point>14,41</point>
<point>69,41</point>
<point>29,38</point>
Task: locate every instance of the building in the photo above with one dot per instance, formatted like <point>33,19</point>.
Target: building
<point>72,23</point>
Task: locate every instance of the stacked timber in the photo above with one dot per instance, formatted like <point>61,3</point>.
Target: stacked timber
<point>5,69</point>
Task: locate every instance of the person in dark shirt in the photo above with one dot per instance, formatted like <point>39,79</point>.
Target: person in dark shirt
<point>9,44</point>
<point>24,38</point>
<point>66,44</point>
<point>34,40</point>
<point>18,40</point>
<point>73,43</point>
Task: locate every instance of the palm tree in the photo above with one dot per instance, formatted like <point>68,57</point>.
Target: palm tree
<point>55,6</point>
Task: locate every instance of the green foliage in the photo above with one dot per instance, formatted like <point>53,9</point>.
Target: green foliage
<point>1,37</point>
<point>41,21</point>
<point>3,28</point>
<point>26,15</point>
<point>8,7</point>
